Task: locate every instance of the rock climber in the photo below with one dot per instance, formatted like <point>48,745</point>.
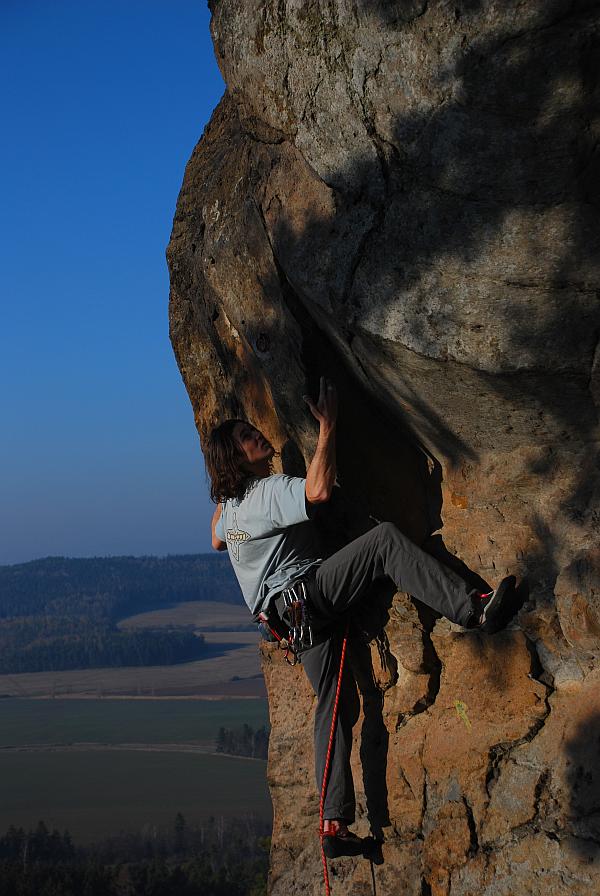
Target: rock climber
<point>265,521</point>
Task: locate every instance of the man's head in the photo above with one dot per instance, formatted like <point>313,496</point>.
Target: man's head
<point>235,451</point>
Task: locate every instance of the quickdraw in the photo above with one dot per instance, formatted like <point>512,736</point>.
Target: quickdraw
<point>284,644</point>
<point>296,620</point>
<point>296,615</point>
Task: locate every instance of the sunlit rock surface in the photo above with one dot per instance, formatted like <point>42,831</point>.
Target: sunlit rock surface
<point>404,196</point>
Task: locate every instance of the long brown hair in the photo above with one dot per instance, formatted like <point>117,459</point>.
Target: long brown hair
<point>223,463</point>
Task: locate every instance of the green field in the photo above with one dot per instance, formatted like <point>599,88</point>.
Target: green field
<point>201,615</point>
<point>232,655</point>
<point>63,721</point>
<point>96,794</point>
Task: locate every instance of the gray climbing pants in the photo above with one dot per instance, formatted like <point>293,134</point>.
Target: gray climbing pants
<point>339,585</point>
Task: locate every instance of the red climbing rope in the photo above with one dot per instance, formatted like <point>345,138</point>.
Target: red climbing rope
<point>327,759</point>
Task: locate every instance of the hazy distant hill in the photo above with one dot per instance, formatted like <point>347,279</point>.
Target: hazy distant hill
<point>114,586</point>
<point>60,613</point>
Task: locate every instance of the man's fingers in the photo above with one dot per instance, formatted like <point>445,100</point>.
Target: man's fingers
<point>326,404</point>
<point>330,392</point>
<point>322,389</point>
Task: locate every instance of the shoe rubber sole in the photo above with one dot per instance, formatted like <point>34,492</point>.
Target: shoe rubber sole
<point>495,612</point>
<point>334,846</point>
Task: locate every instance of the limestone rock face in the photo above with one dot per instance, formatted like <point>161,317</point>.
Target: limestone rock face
<point>404,196</point>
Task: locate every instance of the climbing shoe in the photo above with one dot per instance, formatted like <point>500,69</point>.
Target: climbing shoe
<point>348,844</point>
<point>497,608</point>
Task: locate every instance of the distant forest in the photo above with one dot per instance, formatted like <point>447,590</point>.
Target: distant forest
<point>61,613</point>
<point>224,857</point>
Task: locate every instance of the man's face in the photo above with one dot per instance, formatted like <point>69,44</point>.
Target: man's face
<point>253,445</point>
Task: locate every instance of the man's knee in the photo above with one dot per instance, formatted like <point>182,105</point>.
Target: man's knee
<point>389,537</point>
<point>388,530</point>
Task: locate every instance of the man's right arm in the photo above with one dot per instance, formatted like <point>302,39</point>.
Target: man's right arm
<point>217,544</point>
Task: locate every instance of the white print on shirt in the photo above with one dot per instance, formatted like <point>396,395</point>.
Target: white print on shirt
<point>236,537</point>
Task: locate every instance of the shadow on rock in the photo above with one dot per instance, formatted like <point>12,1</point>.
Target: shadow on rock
<point>582,774</point>
<point>374,740</point>
<point>367,625</point>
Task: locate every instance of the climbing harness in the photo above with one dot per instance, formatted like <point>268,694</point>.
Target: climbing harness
<point>327,761</point>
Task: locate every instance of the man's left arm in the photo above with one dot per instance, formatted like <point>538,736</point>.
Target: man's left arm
<point>321,473</point>
<point>293,499</point>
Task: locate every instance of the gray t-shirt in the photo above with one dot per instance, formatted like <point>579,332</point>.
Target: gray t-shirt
<point>269,536</point>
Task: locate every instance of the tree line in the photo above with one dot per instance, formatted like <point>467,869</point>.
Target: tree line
<point>99,647</point>
<point>222,857</point>
<point>244,741</point>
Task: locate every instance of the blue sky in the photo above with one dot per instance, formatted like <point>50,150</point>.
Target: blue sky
<point>103,102</point>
